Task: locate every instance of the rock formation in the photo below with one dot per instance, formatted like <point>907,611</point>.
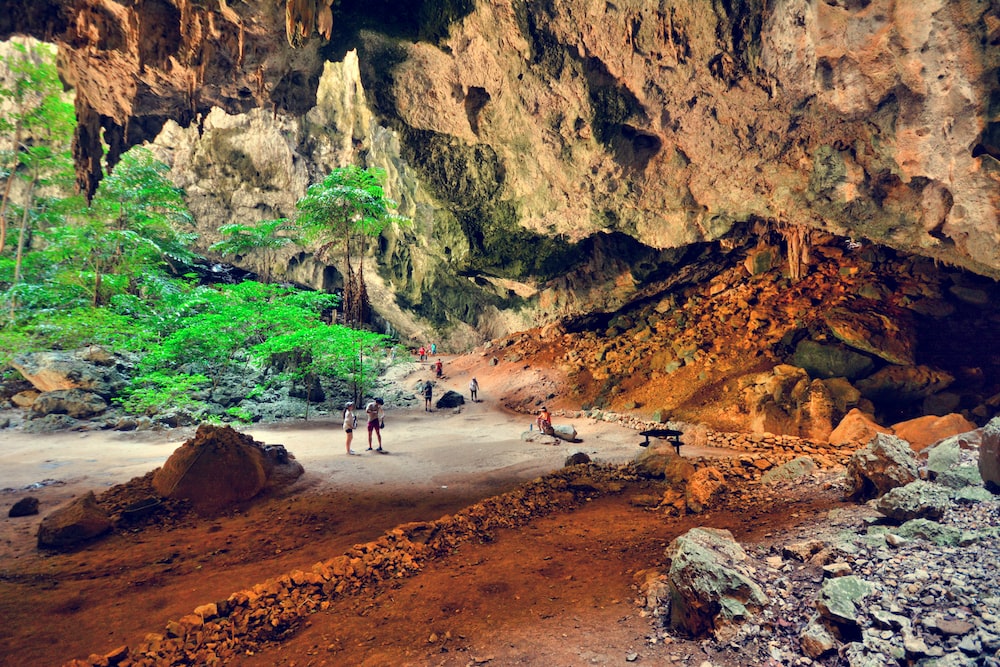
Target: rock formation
<point>559,155</point>
<point>220,467</point>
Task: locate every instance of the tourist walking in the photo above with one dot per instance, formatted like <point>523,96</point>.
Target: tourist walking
<point>474,389</point>
<point>375,417</point>
<point>428,390</point>
<point>439,368</point>
<point>423,353</point>
<point>350,421</point>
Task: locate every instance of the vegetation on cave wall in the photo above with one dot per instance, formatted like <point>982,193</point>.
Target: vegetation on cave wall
<point>121,273</point>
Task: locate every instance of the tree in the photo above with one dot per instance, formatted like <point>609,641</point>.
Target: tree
<point>39,123</point>
<point>241,239</point>
<point>337,351</point>
<point>348,205</point>
<point>134,219</point>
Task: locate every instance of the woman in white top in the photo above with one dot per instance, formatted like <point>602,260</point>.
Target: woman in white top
<point>349,421</point>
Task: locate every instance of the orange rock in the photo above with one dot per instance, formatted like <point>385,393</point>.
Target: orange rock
<point>923,432</point>
<point>857,428</point>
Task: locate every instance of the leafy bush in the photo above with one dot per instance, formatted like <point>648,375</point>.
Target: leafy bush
<point>158,392</point>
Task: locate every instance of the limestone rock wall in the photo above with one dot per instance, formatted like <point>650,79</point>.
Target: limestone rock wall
<point>555,157</point>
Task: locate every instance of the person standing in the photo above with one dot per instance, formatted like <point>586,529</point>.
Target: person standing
<point>428,390</point>
<point>439,368</point>
<point>375,417</point>
<point>474,389</point>
<point>434,349</point>
<point>423,353</point>
<point>350,421</point>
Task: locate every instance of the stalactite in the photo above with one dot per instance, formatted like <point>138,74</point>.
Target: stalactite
<point>797,239</point>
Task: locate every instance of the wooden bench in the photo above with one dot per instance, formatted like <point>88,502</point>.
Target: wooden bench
<point>671,436</point>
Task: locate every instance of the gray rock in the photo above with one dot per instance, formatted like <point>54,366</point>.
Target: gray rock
<point>933,532</point>
<point>943,455</point>
<point>79,521</point>
<point>707,592</point>
<point>450,399</point>
<point>989,456</point>
<point>76,403</point>
<point>916,500</point>
<point>829,361</point>
<point>838,600</point>
<point>815,640</point>
<point>960,477</point>
<point>564,432</point>
<point>973,494</point>
<point>885,463</point>
<point>794,469</point>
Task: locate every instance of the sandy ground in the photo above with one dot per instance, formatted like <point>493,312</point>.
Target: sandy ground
<point>113,592</point>
<point>461,450</point>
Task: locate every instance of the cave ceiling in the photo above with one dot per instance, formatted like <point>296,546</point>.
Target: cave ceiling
<point>668,122</point>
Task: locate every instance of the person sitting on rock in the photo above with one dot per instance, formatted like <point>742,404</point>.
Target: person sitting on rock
<point>544,421</point>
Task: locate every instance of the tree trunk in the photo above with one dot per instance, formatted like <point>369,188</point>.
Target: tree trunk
<point>6,189</point>
<point>20,243</point>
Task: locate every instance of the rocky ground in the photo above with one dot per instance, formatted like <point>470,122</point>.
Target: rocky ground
<point>564,569</point>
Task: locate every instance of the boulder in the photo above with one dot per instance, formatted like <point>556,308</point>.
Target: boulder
<point>925,431</point>
<point>794,469</point>
<point>24,507</point>
<point>24,399</point>
<point>564,432</point>
<point>661,461</point>
<point>989,455</point>
<point>916,500</point>
<point>76,403</point>
<point>932,531</point>
<point>707,591</point>
<point>856,428</point>
<point>838,602</point>
<point>883,464</point>
<point>577,458</point>
<point>450,399</point>
<point>899,385</point>
<point>705,486</point>
<point>220,467</point>
<point>816,640</point>
<point>830,361</point>
<point>79,521</point>
<point>91,368</point>
<point>874,327</point>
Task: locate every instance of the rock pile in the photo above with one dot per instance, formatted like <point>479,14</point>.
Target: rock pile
<point>902,580</point>
<point>908,578</point>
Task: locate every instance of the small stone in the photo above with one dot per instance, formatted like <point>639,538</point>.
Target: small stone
<point>839,569</point>
<point>953,627</point>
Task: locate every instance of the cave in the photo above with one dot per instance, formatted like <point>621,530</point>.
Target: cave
<point>746,262</point>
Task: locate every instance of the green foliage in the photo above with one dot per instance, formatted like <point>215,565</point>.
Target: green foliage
<point>240,414</point>
<point>117,272</point>
<point>328,351</point>
<point>241,239</point>
<point>220,324</point>
<point>348,205</point>
<point>158,391</point>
